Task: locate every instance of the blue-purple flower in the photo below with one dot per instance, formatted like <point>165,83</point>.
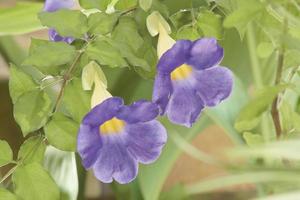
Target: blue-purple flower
<point>52,6</point>
<point>189,78</point>
<point>113,138</point>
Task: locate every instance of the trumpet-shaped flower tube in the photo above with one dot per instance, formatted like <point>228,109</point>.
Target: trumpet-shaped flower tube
<point>189,78</point>
<point>113,138</point>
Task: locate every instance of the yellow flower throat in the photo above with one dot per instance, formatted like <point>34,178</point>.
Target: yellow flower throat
<point>112,126</point>
<point>181,72</point>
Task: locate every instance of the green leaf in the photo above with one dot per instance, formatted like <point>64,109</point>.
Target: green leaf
<point>66,22</point>
<point>83,98</point>
<point>32,111</point>
<point>6,155</point>
<point>145,4</point>
<point>62,167</point>
<point>245,13</point>
<point>126,4</point>
<point>105,53</point>
<point>61,132</point>
<point>253,139</point>
<point>20,19</point>
<point>32,182</point>
<point>100,4</point>
<point>292,58</point>
<point>188,32</point>
<point>102,23</point>
<point>265,49</point>
<point>248,117</point>
<point>210,24</point>
<point>32,150</point>
<point>19,83</point>
<point>127,39</point>
<point>7,195</point>
<point>45,55</point>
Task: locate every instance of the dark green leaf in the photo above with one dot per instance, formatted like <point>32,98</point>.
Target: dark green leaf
<point>74,96</point>
<point>32,110</point>
<point>32,150</point>
<point>66,22</point>
<point>19,83</point>
<point>102,23</point>
<point>6,155</point>
<point>126,4</point>
<point>104,53</point>
<point>45,55</point>
<point>32,182</point>
<point>7,195</point>
<point>61,132</point>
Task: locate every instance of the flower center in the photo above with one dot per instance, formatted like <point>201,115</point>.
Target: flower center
<point>112,126</point>
<point>181,72</point>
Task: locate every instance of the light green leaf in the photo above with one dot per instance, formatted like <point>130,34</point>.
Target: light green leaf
<point>6,155</point>
<point>210,24</point>
<point>292,58</point>
<point>265,49</point>
<point>104,53</point>
<point>61,132</point>
<point>19,83</point>
<point>248,117</point>
<point>32,150</point>
<point>245,13</point>
<point>45,55</point>
<point>253,139</point>
<point>74,96</point>
<point>20,19</point>
<point>66,22</point>
<point>145,4</point>
<point>102,23</point>
<point>126,4</point>
<point>32,110</point>
<point>62,167</point>
<point>89,4</point>
<point>7,195</point>
<point>177,192</point>
<point>188,32</point>
<point>32,182</point>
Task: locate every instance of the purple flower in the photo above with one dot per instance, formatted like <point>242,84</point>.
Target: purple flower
<point>113,138</point>
<point>52,6</point>
<point>189,78</point>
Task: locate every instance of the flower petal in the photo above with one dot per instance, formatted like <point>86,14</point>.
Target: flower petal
<point>214,84</point>
<point>139,111</point>
<point>146,140</point>
<point>205,53</point>
<point>103,112</point>
<point>174,57</point>
<point>54,36</point>
<point>162,90</point>
<point>115,162</point>
<point>54,5</point>
<point>185,105</point>
<point>88,144</point>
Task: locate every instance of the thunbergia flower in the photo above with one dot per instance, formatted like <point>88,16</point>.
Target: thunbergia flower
<point>189,78</point>
<point>52,6</point>
<point>113,138</point>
